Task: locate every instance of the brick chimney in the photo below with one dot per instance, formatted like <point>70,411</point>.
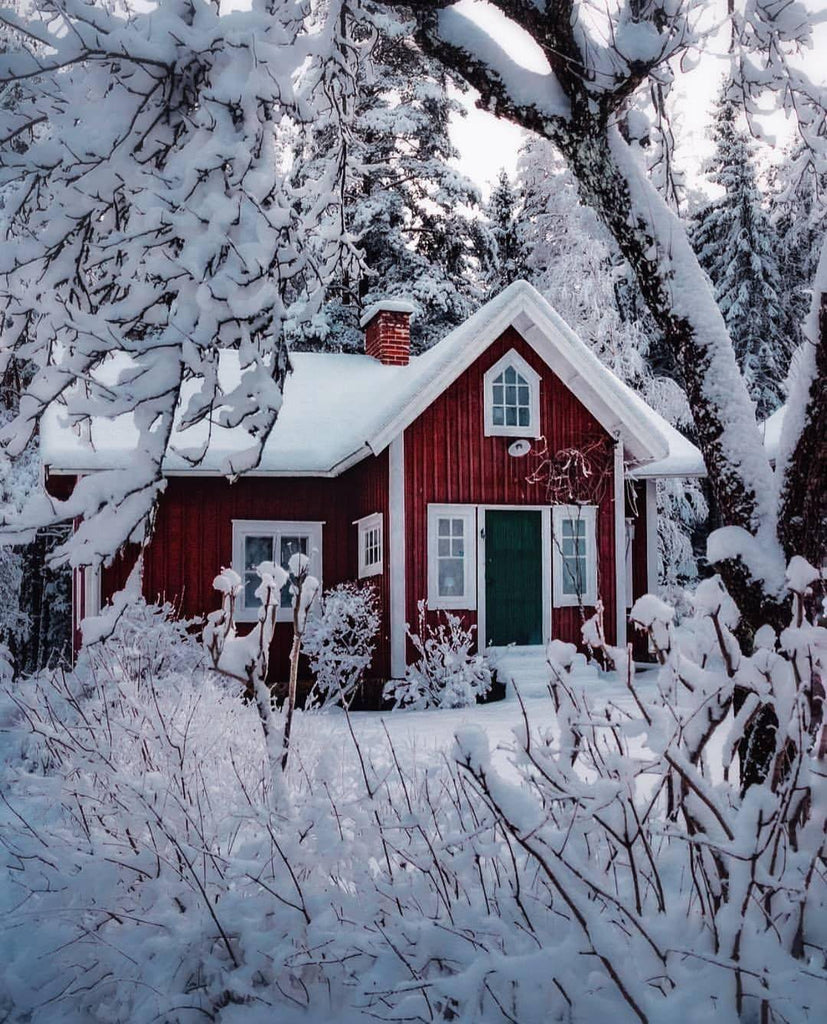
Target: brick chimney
<point>387,326</point>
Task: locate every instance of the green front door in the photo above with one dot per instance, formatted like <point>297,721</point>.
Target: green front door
<point>513,577</point>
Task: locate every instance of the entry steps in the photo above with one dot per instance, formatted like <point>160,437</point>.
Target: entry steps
<point>527,668</point>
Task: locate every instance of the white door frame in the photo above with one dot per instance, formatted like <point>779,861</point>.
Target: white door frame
<point>545,520</point>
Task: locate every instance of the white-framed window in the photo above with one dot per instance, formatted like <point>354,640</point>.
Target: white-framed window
<point>265,540</point>
<point>574,554</point>
<point>452,556</point>
<point>371,545</point>
<point>512,398</point>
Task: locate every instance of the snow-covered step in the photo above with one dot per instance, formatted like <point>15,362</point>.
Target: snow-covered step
<point>527,668</point>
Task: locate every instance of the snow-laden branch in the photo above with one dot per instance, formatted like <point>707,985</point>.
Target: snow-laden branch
<point>148,223</point>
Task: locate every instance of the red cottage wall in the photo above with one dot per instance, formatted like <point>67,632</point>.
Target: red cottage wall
<point>448,459</point>
<point>367,483</point>
<point>193,537</point>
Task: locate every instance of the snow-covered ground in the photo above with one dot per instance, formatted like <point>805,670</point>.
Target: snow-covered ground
<point>423,736</point>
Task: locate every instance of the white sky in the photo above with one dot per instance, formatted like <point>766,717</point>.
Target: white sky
<point>487,143</point>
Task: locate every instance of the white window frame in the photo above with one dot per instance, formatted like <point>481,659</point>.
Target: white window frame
<point>275,528</point>
<point>587,514</point>
<point>468,514</point>
<point>532,378</point>
<point>365,526</point>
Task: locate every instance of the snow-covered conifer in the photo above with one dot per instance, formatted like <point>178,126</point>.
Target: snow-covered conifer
<point>736,245</point>
<point>404,223</point>
<point>798,213</point>
<point>506,252</point>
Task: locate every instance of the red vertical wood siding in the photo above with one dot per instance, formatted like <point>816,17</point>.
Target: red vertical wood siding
<point>637,510</point>
<point>367,483</point>
<point>193,537</point>
<point>448,459</point>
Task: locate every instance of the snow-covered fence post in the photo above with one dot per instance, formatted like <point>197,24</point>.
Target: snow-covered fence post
<point>305,588</point>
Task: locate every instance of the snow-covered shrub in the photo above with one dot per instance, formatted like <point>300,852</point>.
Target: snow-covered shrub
<point>340,642</point>
<point>446,674</point>
<point>131,800</point>
<point>247,658</point>
<point>148,641</point>
<point>607,866</point>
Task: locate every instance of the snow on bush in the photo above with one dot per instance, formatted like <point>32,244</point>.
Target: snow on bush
<point>446,674</point>
<point>246,658</point>
<point>340,642</point>
<point>613,867</point>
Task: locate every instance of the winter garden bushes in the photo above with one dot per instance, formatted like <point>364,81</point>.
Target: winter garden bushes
<point>608,867</point>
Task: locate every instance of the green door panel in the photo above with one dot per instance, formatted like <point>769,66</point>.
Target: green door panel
<point>513,577</point>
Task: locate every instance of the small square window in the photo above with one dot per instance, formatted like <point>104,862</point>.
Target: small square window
<point>371,544</point>
<point>257,541</point>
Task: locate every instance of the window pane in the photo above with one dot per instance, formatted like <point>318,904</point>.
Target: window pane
<point>574,576</point>
<point>511,395</point>
<point>457,527</point>
<point>444,528</point>
<point>251,582</point>
<point>443,547</point>
<point>522,394</point>
<point>498,417</point>
<point>498,394</point>
<point>457,547</point>
<point>451,577</point>
<point>510,375</point>
<point>510,416</point>
<point>256,550</point>
<point>523,417</point>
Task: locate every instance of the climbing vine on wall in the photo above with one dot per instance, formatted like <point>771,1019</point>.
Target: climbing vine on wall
<point>579,475</point>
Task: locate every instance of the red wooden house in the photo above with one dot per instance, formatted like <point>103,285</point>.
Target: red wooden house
<point>505,475</point>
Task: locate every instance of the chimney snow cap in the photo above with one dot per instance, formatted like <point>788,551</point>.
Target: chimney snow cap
<point>387,306</point>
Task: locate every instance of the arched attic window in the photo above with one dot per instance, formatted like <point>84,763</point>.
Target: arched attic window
<point>512,398</point>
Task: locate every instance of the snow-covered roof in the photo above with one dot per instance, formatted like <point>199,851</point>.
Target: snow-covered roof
<point>340,408</point>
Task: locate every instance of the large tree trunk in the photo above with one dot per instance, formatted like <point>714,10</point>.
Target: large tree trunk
<point>803,520</point>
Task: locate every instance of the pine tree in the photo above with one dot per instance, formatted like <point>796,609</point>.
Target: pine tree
<point>408,227</point>
<point>737,247</point>
<point>502,237</point>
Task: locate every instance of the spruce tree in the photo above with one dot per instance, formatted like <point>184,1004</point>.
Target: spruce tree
<point>736,245</point>
<point>503,238</point>
<point>409,229</point>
